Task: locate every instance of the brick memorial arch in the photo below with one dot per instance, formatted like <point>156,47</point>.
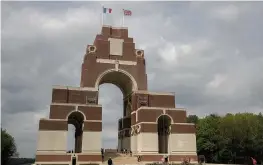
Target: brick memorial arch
<point>152,126</point>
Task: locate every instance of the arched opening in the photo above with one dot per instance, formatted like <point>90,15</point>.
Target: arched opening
<point>70,138</point>
<point>120,78</point>
<point>75,121</point>
<point>164,123</point>
<point>116,105</point>
<point>110,97</point>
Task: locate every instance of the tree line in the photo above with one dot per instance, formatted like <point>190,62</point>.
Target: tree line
<point>8,147</point>
<point>220,139</point>
<point>232,138</point>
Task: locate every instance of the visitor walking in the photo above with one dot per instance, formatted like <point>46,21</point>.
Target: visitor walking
<point>254,161</point>
<point>110,161</point>
<point>138,158</point>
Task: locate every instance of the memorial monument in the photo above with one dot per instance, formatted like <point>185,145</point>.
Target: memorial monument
<point>152,126</point>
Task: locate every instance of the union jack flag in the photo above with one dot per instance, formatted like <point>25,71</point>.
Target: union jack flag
<point>127,12</point>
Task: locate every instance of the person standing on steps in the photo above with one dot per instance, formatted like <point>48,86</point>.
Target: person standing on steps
<point>110,161</point>
<point>102,154</point>
<point>102,157</point>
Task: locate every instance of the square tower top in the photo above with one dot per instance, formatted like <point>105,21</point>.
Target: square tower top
<point>114,32</point>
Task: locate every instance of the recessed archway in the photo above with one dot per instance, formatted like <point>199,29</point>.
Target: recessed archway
<point>125,83</point>
<point>76,118</point>
<point>164,123</point>
<point>110,97</point>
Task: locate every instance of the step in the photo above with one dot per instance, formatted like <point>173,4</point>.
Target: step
<point>124,164</point>
<point>123,160</point>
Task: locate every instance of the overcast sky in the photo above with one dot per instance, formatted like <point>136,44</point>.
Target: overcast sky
<point>208,53</point>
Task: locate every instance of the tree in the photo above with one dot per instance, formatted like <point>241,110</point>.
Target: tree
<point>208,137</point>
<point>192,119</point>
<point>230,138</point>
<point>8,146</point>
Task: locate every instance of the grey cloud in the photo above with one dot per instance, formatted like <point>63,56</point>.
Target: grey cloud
<point>208,53</point>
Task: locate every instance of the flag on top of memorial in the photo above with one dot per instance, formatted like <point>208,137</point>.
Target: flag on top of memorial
<point>127,12</point>
<point>107,10</point>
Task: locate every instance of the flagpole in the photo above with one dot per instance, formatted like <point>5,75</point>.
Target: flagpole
<point>102,15</point>
<point>122,18</point>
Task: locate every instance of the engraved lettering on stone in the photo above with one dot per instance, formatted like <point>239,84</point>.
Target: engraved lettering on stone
<point>121,62</point>
<point>116,46</point>
<point>180,143</point>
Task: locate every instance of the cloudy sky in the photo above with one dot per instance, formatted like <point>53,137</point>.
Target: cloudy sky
<point>208,53</point>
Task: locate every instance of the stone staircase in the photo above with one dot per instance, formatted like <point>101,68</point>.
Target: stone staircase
<point>125,159</point>
<point>120,159</point>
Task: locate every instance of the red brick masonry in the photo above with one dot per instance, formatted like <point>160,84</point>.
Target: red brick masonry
<point>53,158</point>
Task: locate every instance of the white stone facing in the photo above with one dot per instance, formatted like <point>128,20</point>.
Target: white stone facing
<point>116,46</point>
<point>170,142</point>
<point>119,144</point>
<point>91,142</point>
<point>110,61</point>
<point>126,143</point>
<point>147,142</point>
<point>52,141</point>
<point>183,143</point>
<point>134,144</point>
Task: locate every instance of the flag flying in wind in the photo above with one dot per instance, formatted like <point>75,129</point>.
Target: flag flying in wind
<point>107,10</point>
<point>127,12</point>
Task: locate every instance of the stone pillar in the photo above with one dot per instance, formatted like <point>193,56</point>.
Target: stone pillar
<point>91,142</point>
<point>52,136</point>
<point>134,144</point>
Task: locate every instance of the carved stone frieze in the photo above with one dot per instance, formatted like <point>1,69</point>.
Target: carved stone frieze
<point>142,100</point>
<point>91,100</point>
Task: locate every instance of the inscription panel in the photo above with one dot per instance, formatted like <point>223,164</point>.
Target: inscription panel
<point>116,46</point>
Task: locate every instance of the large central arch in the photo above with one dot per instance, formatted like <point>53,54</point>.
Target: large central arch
<point>127,84</point>
<point>121,78</point>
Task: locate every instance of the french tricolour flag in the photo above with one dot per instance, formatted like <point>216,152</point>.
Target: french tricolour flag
<point>107,10</point>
